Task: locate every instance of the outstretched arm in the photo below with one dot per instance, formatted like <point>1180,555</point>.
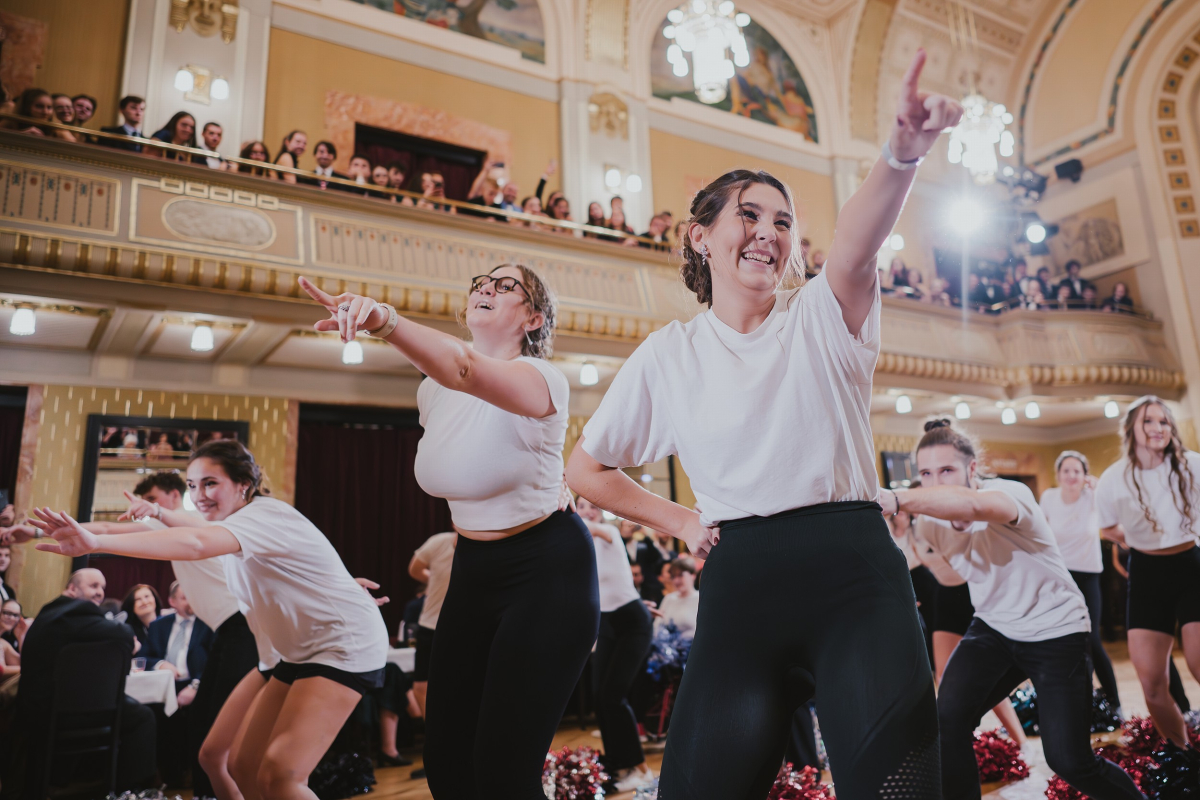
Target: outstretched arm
<point>869,215</point>
<point>952,503</point>
<point>173,544</point>
<point>515,386</point>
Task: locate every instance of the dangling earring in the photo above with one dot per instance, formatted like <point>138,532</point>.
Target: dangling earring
<point>704,254</point>
<point>528,341</point>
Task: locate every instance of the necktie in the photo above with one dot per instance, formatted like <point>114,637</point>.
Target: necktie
<point>177,651</point>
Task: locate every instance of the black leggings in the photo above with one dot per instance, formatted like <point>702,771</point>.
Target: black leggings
<point>620,651</point>
<point>815,601</point>
<point>232,655</point>
<point>1089,584</point>
<point>519,620</point>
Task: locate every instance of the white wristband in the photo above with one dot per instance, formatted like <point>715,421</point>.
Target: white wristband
<point>385,330</point>
<point>896,163</point>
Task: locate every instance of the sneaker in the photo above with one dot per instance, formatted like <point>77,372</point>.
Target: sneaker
<point>635,779</point>
<point>417,774</point>
<point>596,733</point>
<point>393,761</point>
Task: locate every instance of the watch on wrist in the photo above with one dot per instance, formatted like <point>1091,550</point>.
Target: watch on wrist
<point>896,163</point>
<point>195,684</point>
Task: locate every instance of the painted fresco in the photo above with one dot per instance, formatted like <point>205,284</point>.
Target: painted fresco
<point>769,89</point>
<point>512,23</point>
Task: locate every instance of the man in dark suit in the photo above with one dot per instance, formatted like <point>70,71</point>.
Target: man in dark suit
<point>73,618</point>
<point>325,154</point>
<point>133,108</point>
<point>178,643</point>
<point>1075,283</point>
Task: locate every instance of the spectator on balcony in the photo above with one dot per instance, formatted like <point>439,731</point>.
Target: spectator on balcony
<point>38,104</point>
<point>657,232</point>
<point>181,131</point>
<point>1074,281</point>
<point>325,154</point>
<point>617,203</point>
<point>509,195</point>
<point>1089,301</point>
<point>359,170</point>
<point>211,135</point>
<point>596,218</point>
<point>433,189</point>
<point>560,209</point>
<point>1045,289</point>
<point>938,293</point>
<point>1119,301</point>
<point>256,151</point>
<point>379,176</point>
<point>617,222</point>
<point>533,206</point>
<point>486,191</point>
<point>898,276</point>
<point>294,145</point>
<point>132,108</point>
<point>64,109</point>
<point>1063,299</point>
<point>396,180</point>
<point>85,108</point>
<point>551,168</point>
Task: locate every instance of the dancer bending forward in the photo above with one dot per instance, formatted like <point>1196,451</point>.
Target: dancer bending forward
<point>1031,620</point>
<point>766,399</point>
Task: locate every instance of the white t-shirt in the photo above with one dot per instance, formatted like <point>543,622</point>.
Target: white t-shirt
<point>496,469</point>
<point>1116,503</point>
<point>438,553</point>
<point>762,422</point>
<point>612,568</point>
<point>293,580</point>
<point>1019,584</point>
<point>203,581</point>
<point>680,610</point>
<point>929,555</point>
<point>1076,529</point>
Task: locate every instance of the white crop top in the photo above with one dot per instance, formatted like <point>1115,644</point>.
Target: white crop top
<point>496,469</point>
<point>1116,502</point>
<point>762,422</point>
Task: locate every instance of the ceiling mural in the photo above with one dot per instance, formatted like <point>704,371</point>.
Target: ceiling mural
<point>512,23</point>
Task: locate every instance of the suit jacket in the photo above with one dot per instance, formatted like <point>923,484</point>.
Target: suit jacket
<point>1076,286</point>
<point>199,645</point>
<point>120,129</point>
<point>63,621</point>
<point>6,591</point>
<point>320,182</point>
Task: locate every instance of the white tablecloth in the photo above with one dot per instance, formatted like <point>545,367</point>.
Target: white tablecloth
<point>405,658</point>
<point>154,686</point>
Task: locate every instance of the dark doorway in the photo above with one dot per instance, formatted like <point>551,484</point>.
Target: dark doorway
<point>458,165</point>
<point>12,423</point>
<point>354,480</point>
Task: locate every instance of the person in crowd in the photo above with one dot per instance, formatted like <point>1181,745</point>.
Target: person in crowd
<point>1148,501</point>
<point>256,151</point>
<point>142,606</point>
<point>211,136</point>
<point>1070,508</point>
<point>379,176</point>
<point>1031,620</point>
<point>327,630</point>
<point>657,233</point>
<point>85,108</point>
<point>1119,301</point>
<point>985,294</point>
<point>681,606</point>
<point>12,623</point>
<point>664,543</point>
<point>532,206</point>
<point>486,192</point>
<point>524,577</point>
<point>551,168</point>
<point>1074,280</point>
<point>431,565</point>
<point>638,578</point>
<point>1044,287</point>
<point>596,219</point>
<point>899,275</point>
<point>1021,281</point>
<point>1034,300</point>
<point>433,189</point>
<point>6,591</point>
<point>359,170</point>
<point>325,153</point>
<point>560,209</point>
<point>622,646</point>
<point>939,293</point>
<point>1063,300</point>
<point>133,109</point>
<point>508,196</point>
<point>75,618</point>
<point>180,130</point>
<point>294,145</point>
<point>64,109</point>
<point>412,616</point>
<point>616,222</point>
<point>1089,302</point>
<point>787,511</point>
<point>648,558</point>
<point>397,178</point>
<point>38,104</point>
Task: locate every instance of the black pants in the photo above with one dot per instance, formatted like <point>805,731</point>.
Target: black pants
<point>1089,584</point>
<point>802,744</point>
<point>812,602</point>
<point>622,647</point>
<point>233,654</point>
<point>519,620</point>
<point>984,668</point>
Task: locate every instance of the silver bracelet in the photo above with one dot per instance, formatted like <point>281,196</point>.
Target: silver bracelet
<point>895,497</point>
<point>385,330</point>
<point>896,163</point>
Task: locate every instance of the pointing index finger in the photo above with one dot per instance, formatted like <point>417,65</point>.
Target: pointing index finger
<point>316,294</point>
<point>913,75</point>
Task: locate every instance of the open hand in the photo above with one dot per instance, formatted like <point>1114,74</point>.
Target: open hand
<point>139,508</point>
<point>348,313</point>
<point>565,498</point>
<point>367,584</point>
<point>70,539</point>
<point>17,534</point>
<point>920,117</point>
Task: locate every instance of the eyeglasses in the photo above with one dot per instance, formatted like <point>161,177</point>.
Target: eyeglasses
<point>11,614</point>
<point>503,285</point>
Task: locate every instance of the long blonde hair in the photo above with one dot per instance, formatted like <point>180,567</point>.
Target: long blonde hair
<point>1181,481</point>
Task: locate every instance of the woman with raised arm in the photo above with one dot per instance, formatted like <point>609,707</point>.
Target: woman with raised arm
<point>522,609</point>
<point>766,398</point>
<point>1148,501</point>
<point>1030,618</point>
<point>328,631</point>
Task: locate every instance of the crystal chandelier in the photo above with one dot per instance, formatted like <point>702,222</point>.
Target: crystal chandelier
<point>973,142</point>
<point>707,29</point>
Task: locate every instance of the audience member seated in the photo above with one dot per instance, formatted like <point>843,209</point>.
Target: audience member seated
<point>325,154</point>
<point>74,618</point>
<point>379,176</point>
<point>132,109</point>
<point>508,196</point>
<point>659,225</point>
<point>1062,299</point>
<point>359,170</point>
<point>397,178</point>
<point>178,643</point>
<point>255,151</point>
<point>38,104</point>
<point>533,206</point>
<point>211,135</point>
<point>1089,301</point>
<point>6,591</point>
<point>1074,282</point>
<point>682,605</point>
<point>595,216</point>
<point>294,145</point>
<point>64,109</point>
<point>179,130</point>
<point>899,276</point>
<point>646,556</point>
<point>142,606</point>
<point>433,188</point>
<point>85,108</point>
<point>12,624</point>
<point>616,222</point>
<point>1119,301</point>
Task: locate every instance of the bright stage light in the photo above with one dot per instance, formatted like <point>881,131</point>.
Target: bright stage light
<point>965,215</point>
<point>352,353</point>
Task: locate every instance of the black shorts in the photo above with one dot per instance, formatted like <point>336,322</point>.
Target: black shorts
<point>266,673</point>
<point>1163,590</point>
<point>361,682</point>
<point>424,648</point>
<point>954,611</point>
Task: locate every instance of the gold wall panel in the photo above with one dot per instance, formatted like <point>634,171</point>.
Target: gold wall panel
<point>59,198</point>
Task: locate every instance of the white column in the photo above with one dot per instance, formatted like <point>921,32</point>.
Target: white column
<point>845,179</point>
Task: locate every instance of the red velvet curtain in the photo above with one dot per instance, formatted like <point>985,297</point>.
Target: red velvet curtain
<point>12,421</point>
<point>122,574</point>
<point>356,483</point>
<point>458,177</point>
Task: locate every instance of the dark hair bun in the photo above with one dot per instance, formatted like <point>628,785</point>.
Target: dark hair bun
<point>941,422</point>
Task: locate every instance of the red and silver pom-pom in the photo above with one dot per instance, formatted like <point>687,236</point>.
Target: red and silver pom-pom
<point>804,784</point>
<point>999,758</point>
<point>573,774</point>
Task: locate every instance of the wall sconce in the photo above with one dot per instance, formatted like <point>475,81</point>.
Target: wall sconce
<point>199,86</point>
<point>206,17</point>
<point>615,178</point>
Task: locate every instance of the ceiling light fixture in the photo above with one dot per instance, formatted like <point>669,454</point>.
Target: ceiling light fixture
<point>1008,416</point>
<point>23,322</point>
<point>962,411</point>
<point>588,374</point>
<point>903,404</point>
<point>352,352</point>
<point>202,338</point>
<point>708,30</point>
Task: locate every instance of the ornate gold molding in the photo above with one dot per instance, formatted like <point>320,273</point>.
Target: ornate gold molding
<point>1031,375</point>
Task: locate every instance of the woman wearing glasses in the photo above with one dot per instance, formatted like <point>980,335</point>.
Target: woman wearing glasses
<point>522,609</point>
